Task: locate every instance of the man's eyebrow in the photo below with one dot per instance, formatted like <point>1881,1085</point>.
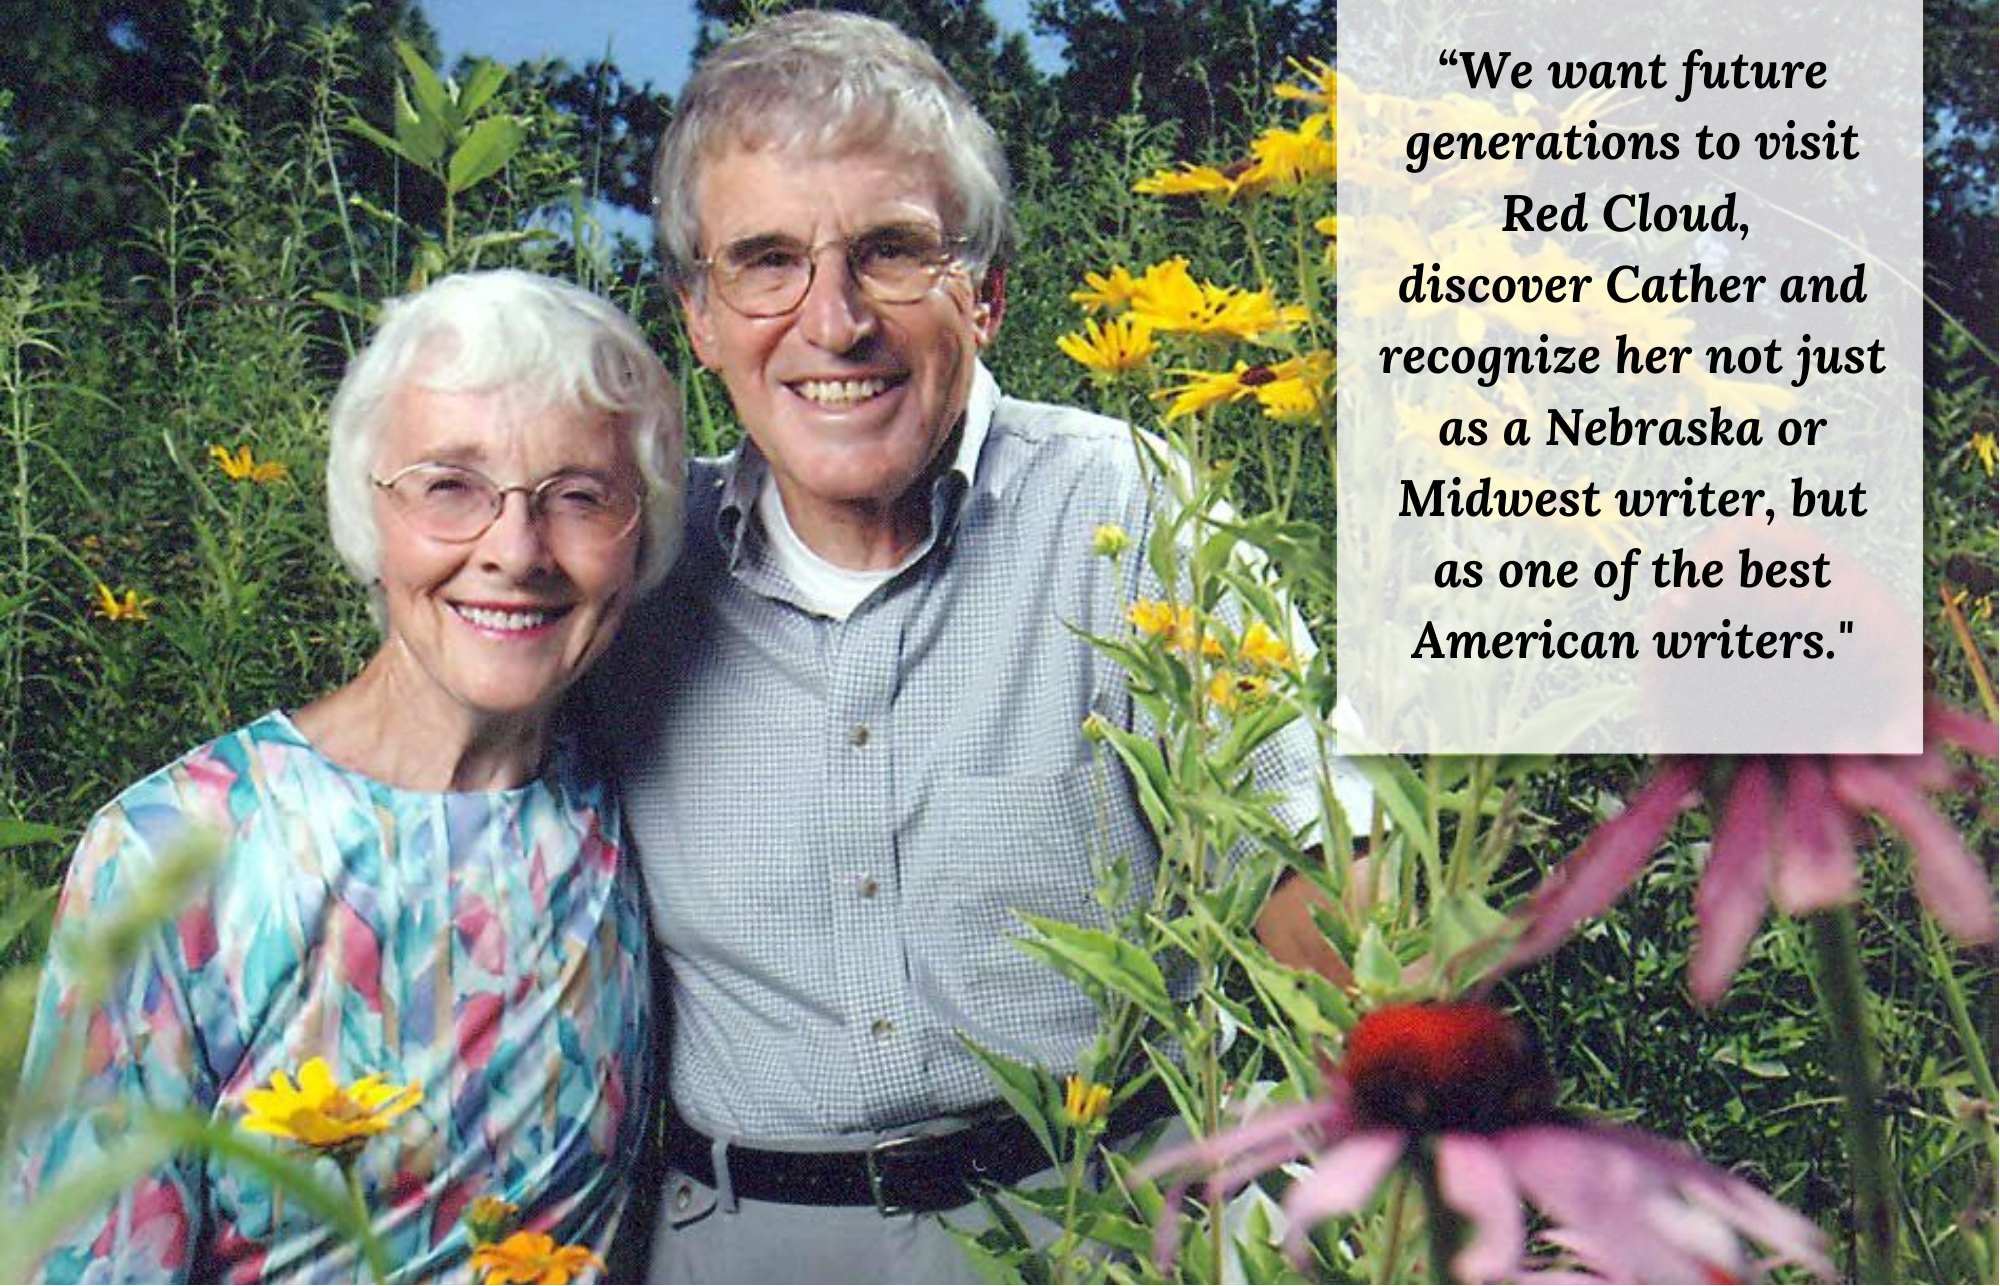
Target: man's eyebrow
<point>757,242</point>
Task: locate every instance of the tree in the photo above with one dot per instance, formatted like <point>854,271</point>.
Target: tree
<point>98,84</point>
<point>1204,65</point>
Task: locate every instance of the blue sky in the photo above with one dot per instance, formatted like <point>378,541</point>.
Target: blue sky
<point>650,40</point>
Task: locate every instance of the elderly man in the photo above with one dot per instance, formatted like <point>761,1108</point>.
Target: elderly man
<point>849,727</point>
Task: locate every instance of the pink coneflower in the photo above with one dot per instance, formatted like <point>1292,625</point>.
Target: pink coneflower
<point>1458,1089</point>
<point>1785,834</point>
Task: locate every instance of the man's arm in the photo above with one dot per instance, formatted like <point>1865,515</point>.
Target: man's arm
<point>1285,925</point>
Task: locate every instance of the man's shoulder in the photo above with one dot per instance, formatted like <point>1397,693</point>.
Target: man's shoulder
<point>1045,444</point>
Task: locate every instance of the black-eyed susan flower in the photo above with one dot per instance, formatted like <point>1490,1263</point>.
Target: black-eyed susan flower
<point>1169,300</point>
<point>1318,90</point>
<point>322,1114</point>
<point>1110,291</point>
<point>1242,178</point>
<point>1119,345</point>
<point>1204,389</point>
<point>1085,1102</point>
<point>112,607</point>
<point>1299,388</point>
<point>1263,649</point>
<point>242,466</point>
<point>1229,690</point>
<point>1109,540</point>
<point>1286,158</point>
<point>532,1257</point>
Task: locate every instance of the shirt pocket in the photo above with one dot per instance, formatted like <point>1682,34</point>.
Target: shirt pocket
<point>1037,845</point>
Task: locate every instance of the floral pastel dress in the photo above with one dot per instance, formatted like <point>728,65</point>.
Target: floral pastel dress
<point>489,945</point>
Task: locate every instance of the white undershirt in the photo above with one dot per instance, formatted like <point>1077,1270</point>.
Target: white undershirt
<point>827,589</point>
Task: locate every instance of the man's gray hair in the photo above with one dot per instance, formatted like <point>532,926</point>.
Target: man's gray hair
<point>546,342</point>
<point>830,83</point>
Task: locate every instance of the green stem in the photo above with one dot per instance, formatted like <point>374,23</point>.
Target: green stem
<point>371,1248</point>
<point>1442,1225</point>
<point>1843,994</point>
<point>1968,1033</point>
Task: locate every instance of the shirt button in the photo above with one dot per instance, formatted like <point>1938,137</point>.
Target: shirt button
<point>857,736</point>
<point>683,1197</point>
<point>869,888</point>
<point>881,1028</point>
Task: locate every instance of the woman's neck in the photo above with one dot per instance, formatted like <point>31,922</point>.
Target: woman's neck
<point>398,728</point>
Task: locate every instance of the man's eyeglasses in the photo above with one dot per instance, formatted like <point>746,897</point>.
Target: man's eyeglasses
<point>768,276</point>
<point>451,502</point>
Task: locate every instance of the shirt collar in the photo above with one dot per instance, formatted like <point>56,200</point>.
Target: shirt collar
<point>744,468</point>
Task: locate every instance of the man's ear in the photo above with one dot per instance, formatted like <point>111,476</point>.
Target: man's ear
<point>700,328</point>
<point>989,304</point>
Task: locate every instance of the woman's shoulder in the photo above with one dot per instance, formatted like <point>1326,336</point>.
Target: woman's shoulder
<point>173,821</point>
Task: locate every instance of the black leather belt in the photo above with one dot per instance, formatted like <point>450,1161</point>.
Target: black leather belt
<point>919,1174</point>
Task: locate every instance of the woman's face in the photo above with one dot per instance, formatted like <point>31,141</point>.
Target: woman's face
<point>499,625</point>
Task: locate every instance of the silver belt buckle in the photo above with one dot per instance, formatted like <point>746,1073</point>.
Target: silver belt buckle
<point>870,1161</point>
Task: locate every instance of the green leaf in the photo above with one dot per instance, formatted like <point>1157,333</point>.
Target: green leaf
<point>486,150</point>
<point>435,101</point>
<point>481,82</point>
<point>15,833</point>
<point>1397,790</point>
<point>1025,1089</point>
<point>420,138</point>
<point>27,908</point>
<point>1376,968</point>
<point>1097,960</point>
<point>356,125</point>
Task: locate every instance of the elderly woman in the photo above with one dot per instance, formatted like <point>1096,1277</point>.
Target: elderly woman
<point>419,876</point>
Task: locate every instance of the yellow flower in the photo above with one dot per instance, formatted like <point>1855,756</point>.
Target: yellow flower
<point>1109,540</point>
<point>532,1257</point>
<point>1288,158</point>
<point>244,467</point>
<point>1085,1102</point>
<point>1160,620</point>
<point>113,608</point>
<point>1228,690</point>
<point>489,1219</point>
<point>1151,617</point>
<point>1262,648</point>
<point>1318,90</point>
<point>1242,178</point>
<point>321,1113</point>
<point>1296,388</point>
<point>1112,290</point>
<point>1120,344</point>
<point>1168,298</point>
<point>1206,389</point>
<point>1983,447</point>
<point>1329,227</point>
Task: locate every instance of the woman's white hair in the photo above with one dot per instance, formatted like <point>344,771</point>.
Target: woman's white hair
<point>830,83</point>
<point>546,341</point>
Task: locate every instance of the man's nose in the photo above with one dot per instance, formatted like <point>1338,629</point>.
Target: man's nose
<point>836,314</point>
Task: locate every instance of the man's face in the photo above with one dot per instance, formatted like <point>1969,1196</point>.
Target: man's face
<point>850,400</point>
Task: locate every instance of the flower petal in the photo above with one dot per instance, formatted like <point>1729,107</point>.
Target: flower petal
<point>1473,1180</point>
<point>1341,1181</point>
<point>1949,879</point>
<point>1610,859</point>
<point>315,1080</point>
<point>1599,1191</point>
<point>1814,867</point>
<point>1960,728</point>
<point>1730,902</point>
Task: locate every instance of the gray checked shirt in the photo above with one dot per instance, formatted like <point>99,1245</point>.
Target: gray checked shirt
<point>837,820</point>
